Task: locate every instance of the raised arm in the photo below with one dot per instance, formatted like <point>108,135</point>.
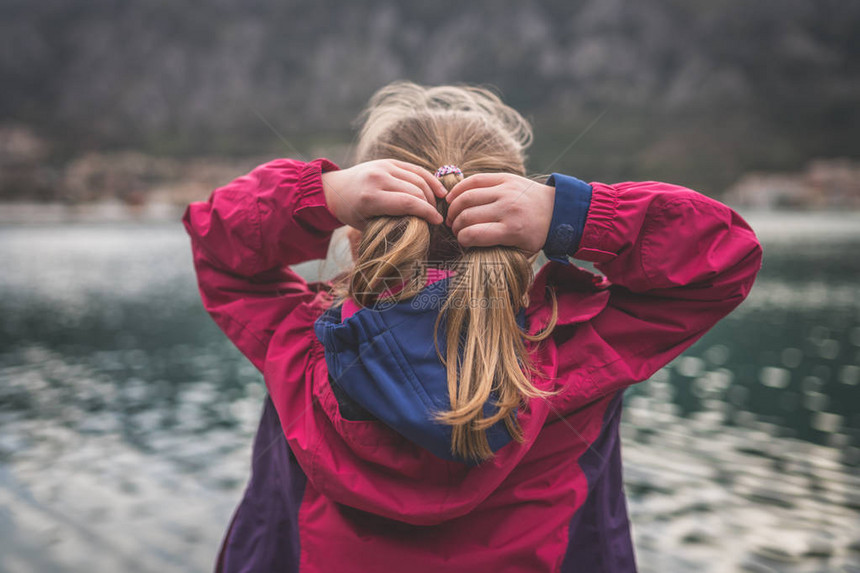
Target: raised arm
<point>283,213</point>
<point>245,236</point>
<point>678,262</point>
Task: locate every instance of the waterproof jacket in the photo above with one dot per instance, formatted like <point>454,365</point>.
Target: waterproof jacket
<point>349,471</point>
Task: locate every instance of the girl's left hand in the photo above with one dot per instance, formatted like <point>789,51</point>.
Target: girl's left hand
<point>491,209</point>
<point>382,187</point>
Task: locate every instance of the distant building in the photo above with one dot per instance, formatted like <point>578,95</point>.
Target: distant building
<point>823,184</point>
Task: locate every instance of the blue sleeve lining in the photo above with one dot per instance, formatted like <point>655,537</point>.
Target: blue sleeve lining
<point>570,209</point>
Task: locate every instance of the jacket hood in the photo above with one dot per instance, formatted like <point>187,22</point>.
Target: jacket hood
<point>384,360</point>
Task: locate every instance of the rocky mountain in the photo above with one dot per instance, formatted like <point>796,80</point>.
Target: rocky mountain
<point>690,91</point>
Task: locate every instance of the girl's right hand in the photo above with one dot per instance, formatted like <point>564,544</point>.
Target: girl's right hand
<point>491,209</point>
<point>382,187</point>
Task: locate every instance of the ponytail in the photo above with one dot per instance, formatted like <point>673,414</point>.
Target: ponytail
<point>389,248</point>
<point>486,357</point>
<point>489,289</point>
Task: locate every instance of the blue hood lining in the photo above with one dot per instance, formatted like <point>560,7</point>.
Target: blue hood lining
<point>385,362</point>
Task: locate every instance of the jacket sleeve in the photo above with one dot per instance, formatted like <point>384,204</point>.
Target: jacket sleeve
<point>245,236</point>
<point>678,262</point>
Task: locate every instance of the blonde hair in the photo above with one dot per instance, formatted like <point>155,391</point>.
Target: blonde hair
<point>468,126</point>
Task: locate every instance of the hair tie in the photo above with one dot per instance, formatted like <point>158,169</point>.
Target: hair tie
<point>447,170</point>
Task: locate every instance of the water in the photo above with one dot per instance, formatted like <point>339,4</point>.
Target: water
<point>126,417</point>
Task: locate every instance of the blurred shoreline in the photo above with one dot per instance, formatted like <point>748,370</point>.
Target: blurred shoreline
<point>112,211</point>
<point>765,221</point>
<point>131,185</point>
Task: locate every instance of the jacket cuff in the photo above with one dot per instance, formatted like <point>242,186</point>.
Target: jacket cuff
<point>311,208</point>
<point>569,213</point>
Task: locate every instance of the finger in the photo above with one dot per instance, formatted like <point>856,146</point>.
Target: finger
<point>407,188</point>
<point>473,198</point>
<point>474,181</point>
<point>483,235</point>
<point>396,203</point>
<point>475,215</point>
<point>436,186</point>
<point>417,181</point>
<point>393,183</point>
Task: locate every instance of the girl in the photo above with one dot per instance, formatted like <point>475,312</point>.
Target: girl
<point>439,407</point>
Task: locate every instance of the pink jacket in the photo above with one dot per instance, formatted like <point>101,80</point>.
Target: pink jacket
<point>334,492</point>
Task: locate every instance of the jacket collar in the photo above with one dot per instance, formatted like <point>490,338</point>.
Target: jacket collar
<point>581,295</point>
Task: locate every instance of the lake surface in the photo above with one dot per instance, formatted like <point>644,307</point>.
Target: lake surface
<point>126,417</point>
